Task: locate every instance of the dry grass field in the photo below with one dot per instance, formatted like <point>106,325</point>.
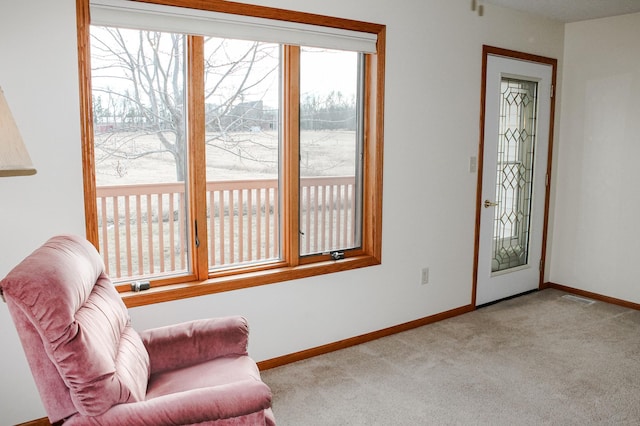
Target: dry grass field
<point>251,155</point>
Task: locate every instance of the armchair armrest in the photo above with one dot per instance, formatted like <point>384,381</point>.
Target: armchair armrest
<point>189,343</point>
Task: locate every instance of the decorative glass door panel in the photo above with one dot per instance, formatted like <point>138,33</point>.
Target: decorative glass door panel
<point>514,180</point>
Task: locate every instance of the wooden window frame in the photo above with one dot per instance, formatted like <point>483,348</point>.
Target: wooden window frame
<point>202,281</point>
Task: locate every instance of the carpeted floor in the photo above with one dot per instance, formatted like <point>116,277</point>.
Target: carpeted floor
<point>539,359</point>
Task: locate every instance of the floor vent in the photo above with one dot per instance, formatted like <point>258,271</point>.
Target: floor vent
<point>579,299</point>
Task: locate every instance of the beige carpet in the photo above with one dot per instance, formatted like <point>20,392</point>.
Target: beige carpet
<point>540,359</point>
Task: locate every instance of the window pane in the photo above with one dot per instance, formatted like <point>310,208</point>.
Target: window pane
<point>242,98</point>
<point>514,182</point>
<point>140,149</point>
<point>330,147</point>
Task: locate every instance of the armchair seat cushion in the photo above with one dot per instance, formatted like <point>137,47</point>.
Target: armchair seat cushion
<point>222,392</point>
<point>216,372</point>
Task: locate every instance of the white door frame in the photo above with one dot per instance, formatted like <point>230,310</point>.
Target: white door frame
<point>494,51</point>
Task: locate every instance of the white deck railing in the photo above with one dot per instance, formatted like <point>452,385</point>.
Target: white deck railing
<point>142,228</point>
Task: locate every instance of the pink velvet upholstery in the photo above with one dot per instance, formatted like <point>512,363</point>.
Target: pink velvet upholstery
<point>92,367</point>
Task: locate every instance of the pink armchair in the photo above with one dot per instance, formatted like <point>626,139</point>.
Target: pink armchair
<point>92,368</point>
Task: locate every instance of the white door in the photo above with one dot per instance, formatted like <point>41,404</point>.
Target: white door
<point>516,146</point>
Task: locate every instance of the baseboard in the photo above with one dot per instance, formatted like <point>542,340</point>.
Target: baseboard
<point>594,296</point>
<point>357,340</point>
<point>39,422</point>
<point>342,344</point>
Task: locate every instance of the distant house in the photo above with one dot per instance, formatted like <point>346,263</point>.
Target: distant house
<point>249,116</point>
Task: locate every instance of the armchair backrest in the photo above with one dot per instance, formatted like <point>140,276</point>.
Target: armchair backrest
<point>75,330</point>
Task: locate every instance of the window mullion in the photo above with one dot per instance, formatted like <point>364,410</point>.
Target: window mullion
<point>291,155</point>
<point>196,158</point>
<point>86,120</point>
<point>373,152</point>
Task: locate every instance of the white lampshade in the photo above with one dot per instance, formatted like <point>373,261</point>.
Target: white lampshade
<point>14,158</point>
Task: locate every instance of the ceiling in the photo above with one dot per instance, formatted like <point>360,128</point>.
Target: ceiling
<point>569,10</point>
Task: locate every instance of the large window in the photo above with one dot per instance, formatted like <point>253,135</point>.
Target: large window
<point>233,157</point>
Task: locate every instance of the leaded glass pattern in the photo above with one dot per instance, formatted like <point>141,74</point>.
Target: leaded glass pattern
<point>514,183</point>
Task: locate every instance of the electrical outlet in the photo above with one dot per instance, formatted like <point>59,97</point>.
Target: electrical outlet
<point>424,278</point>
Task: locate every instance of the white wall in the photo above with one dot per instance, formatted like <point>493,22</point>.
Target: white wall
<point>38,73</point>
<point>596,239</point>
<point>431,130</point>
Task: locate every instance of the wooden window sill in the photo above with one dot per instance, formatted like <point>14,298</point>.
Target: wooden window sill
<point>185,290</point>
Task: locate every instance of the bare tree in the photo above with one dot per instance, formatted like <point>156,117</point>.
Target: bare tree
<point>139,85</point>
<point>238,76</point>
<point>331,112</point>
